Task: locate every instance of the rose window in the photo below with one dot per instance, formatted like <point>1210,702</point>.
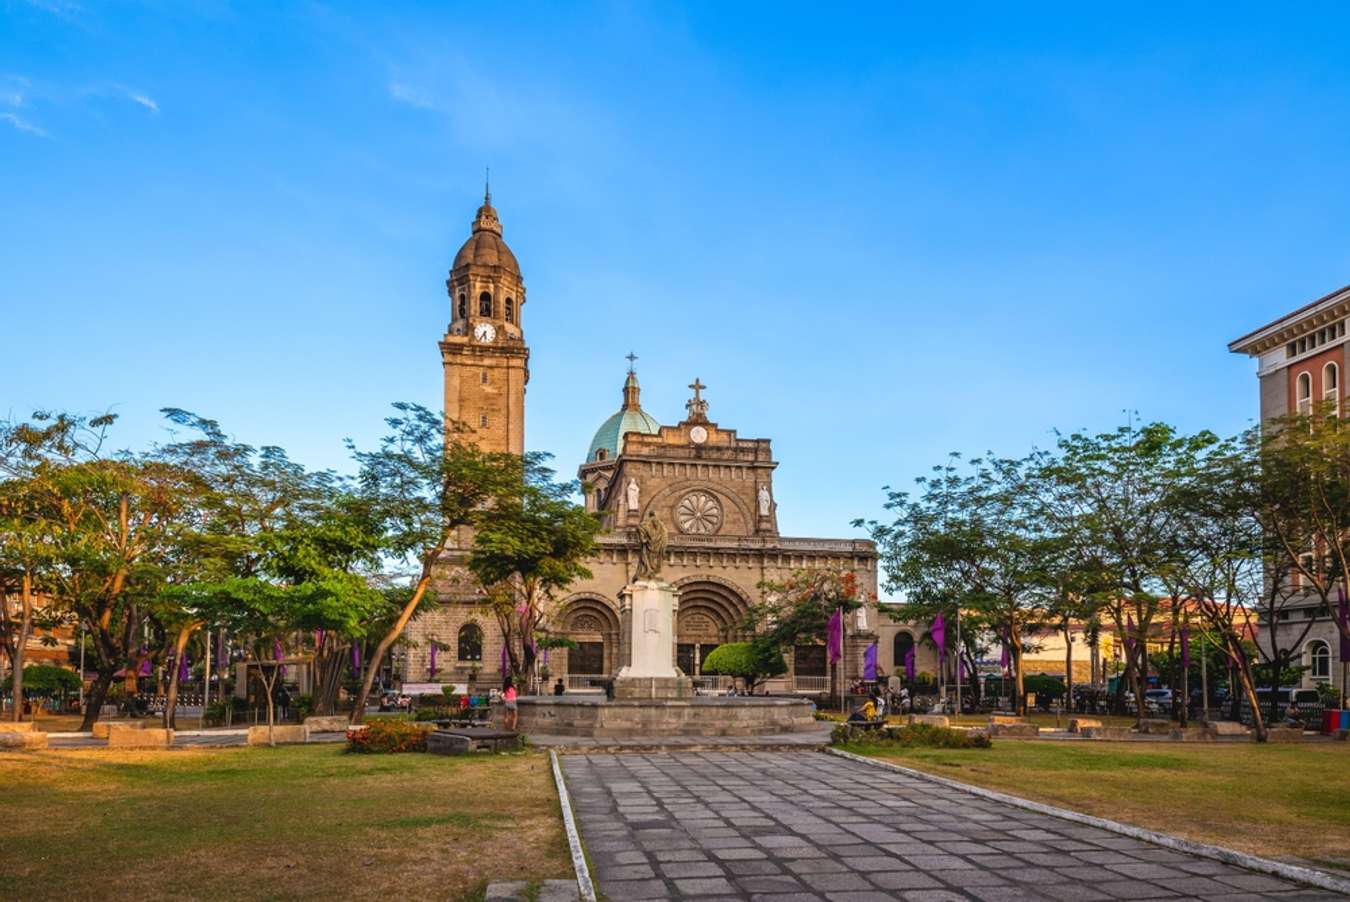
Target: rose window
<point>698,513</point>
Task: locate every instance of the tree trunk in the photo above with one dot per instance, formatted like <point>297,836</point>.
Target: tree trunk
<point>171,699</point>
<point>1249,688</point>
<point>1019,695</point>
<point>1068,665</point>
<point>328,665</point>
<point>98,694</point>
<point>19,652</point>
<point>373,666</point>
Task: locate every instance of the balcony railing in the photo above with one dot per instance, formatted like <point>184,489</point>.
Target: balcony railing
<point>586,682</point>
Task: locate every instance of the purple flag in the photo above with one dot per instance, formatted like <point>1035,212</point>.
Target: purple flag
<point>184,669</point>
<point>870,662</point>
<point>506,661</point>
<point>318,639</point>
<point>1343,615</point>
<point>909,664</point>
<point>356,659</point>
<point>145,668</point>
<point>277,656</point>
<point>1005,659</point>
<point>1185,647</point>
<point>220,649</point>
<point>544,658</point>
<point>431,668</point>
<point>1129,635</point>
<point>835,636</point>
<point>965,673</point>
<point>939,634</point>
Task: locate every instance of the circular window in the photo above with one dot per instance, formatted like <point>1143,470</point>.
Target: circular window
<point>698,513</point>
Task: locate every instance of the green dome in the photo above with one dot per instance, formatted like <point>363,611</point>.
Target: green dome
<point>612,431</point>
<point>630,418</point>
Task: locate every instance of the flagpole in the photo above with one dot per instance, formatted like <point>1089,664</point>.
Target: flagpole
<point>958,661</point>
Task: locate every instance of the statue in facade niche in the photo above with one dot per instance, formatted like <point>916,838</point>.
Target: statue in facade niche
<point>764,500</point>
<point>632,490</point>
<point>652,541</point>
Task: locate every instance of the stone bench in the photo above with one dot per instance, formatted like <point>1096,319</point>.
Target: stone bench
<point>125,736</point>
<point>1217,728</point>
<point>1014,730</point>
<point>101,728</point>
<point>1105,732</point>
<point>1158,727</point>
<point>454,742</point>
<point>278,734</point>
<point>23,726</point>
<point>328,723</point>
<point>1284,734</point>
<point>1078,724</point>
<point>937,720</point>
<point>27,740</point>
<point>1006,719</point>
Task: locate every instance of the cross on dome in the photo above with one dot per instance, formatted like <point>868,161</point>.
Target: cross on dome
<point>631,358</point>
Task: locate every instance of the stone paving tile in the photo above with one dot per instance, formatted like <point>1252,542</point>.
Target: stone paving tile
<point>781,826</point>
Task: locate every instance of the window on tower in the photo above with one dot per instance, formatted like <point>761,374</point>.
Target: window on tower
<point>463,307</point>
<point>482,378</point>
<point>510,310</point>
<point>1304,394</point>
<point>1331,387</point>
<point>485,304</point>
<point>482,421</point>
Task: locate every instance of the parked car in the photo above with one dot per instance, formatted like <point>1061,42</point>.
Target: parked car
<point>1307,703</point>
<point>1158,700</point>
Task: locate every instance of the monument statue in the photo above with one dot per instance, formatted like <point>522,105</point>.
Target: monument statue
<point>764,500</point>
<point>651,548</point>
<point>632,494</point>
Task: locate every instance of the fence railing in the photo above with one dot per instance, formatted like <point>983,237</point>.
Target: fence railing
<point>810,684</point>
<point>586,682</point>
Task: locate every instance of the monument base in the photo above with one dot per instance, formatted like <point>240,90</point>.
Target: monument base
<point>635,688</point>
<point>593,715</point>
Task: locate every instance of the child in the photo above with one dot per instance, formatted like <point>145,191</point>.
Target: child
<point>511,715</point>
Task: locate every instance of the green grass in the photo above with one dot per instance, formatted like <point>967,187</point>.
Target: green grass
<point>1284,801</point>
<point>287,823</point>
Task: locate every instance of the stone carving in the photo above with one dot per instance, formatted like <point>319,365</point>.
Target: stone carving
<point>587,623</point>
<point>651,621</point>
<point>861,615</point>
<point>632,494</point>
<point>698,513</point>
<point>699,626</point>
<point>652,541</point>
<point>764,500</point>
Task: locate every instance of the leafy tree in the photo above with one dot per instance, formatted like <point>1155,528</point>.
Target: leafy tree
<point>426,487</point>
<point>752,662</point>
<point>529,545</point>
<point>111,525</point>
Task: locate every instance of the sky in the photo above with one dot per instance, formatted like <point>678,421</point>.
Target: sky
<point>878,233</point>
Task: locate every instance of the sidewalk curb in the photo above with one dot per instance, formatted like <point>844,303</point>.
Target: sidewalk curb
<point>584,885</point>
<point>1294,872</point>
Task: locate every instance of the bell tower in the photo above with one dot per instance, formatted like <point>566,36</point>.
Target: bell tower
<point>483,351</point>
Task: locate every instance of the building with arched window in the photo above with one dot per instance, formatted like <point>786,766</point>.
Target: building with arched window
<point>712,489</point>
<point>1299,360</point>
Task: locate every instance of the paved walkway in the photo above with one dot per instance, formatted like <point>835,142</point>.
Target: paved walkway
<point>181,739</point>
<point>781,827</point>
<point>815,738</point>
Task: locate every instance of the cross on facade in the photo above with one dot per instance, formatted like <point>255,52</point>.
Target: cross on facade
<point>697,407</point>
<point>631,358</point>
<point>697,387</point>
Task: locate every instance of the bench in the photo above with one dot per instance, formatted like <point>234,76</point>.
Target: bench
<point>866,724</point>
<point>458,741</point>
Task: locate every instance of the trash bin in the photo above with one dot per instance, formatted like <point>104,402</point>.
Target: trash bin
<point>1331,721</point>
<point>1345,720</point>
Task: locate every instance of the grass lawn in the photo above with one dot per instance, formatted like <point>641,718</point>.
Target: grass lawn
<point>300,822</point>
<point>1281,801</point>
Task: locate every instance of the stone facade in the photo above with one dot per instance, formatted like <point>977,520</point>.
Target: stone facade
<point>712,489</point>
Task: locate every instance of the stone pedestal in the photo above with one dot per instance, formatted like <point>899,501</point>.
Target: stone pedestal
<point>647,644</point>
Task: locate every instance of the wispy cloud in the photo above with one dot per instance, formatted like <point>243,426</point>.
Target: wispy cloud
<point>413,96</point>
<point>23,125</point>
<point>139,97</point>
<point>59,8</point>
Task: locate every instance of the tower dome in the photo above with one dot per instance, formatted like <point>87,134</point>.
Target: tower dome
<point>487,292</point>
<point>608,441</point>
<point>485,246</point>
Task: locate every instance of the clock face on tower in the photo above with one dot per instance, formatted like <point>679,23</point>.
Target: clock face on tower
<point>484,332</point>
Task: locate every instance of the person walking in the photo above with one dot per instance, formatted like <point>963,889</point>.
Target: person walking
<point>283,704</point>
<point>510,716</point>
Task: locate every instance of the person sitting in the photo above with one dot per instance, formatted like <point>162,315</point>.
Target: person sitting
<point>558,687</point>
<point>866,714</point>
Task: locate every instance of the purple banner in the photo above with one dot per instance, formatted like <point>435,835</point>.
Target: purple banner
<point>356,659</point>
<point>870,662</point>
<point>431,668</point>
<point>835,636</point>
<point>506,661</point>
<point>277,656</point>
<point>1343,615</point>
<point>184,669</point>
<point>909,664</point>
<point>1185,647</point>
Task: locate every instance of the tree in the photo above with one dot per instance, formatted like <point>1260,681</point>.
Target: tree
<point>24,557</point>
<point>752,661</point>
<point>426,487</point>
<point>529,545</point>
<point>110,524</point>
<point>971,543</point>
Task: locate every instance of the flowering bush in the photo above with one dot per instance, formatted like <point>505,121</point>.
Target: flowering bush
<point>384,736</point>
<point>917,735</point>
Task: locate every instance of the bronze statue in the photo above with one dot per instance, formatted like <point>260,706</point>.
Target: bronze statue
<point>651,548</point>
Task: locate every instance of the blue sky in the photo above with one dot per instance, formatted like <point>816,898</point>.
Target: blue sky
<point>877,236</point>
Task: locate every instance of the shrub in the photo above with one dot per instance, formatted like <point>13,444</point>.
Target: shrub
<point>214,716</point>
<point>751,661</point>
<point>303,705</point>
<point>1047,688</point>
<point>422,715</point>
<point>916,735</point>
<point>385,736</point>
<point>448,690</point>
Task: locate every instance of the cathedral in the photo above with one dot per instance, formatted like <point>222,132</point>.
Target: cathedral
<point>712,489</point>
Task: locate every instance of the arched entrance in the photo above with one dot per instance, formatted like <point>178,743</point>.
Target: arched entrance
<point>712,611</point>
<point>592,624</point>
